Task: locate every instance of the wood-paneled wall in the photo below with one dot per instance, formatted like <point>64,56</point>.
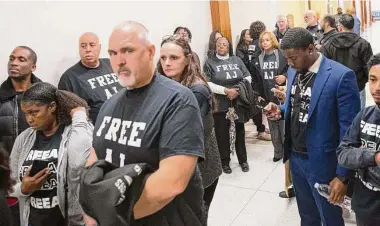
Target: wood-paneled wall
<point>220,14</point>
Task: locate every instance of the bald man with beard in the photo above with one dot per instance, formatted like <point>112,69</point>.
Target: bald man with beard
<point>154,120</point>
<point>91,78</point>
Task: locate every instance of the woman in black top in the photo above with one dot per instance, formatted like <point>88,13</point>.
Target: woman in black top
<point>6,183</point>
<point>243,46</point>
<point>177,62</point>
<point>224,71</point>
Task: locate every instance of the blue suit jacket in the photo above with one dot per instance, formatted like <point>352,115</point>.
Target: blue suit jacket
<point>333,106</point>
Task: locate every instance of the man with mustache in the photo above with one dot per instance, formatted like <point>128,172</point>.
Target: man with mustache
<point>359,150</point>
<point>21,65</point>
<point>154,120</point>
<point>91,78</point>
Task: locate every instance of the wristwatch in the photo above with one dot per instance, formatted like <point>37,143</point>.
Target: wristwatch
<point>344,180</point>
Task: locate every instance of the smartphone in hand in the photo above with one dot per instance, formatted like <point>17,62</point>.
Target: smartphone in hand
<point>39,165</point>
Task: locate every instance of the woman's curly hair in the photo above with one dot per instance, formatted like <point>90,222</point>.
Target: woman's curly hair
<point>43,93</point>
<point>256,29</point>
<point>6,181</point>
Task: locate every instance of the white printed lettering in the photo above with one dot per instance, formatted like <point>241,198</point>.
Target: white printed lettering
<point>132,138</point>
<point>106,119</point>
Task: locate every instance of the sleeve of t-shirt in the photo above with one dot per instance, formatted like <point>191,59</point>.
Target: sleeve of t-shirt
<point>201,93</point>
<point>243,68</point>
<point>182,131</point>
<point>350,152</point>
<point>208,71</point>
<point>64,83</point>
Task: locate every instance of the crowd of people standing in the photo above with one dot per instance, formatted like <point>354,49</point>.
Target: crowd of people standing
<point>149,142</point>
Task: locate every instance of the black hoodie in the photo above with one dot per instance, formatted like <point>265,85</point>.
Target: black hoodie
<point>12,119</point>
<point>352,51</point>
<point>326,36</point>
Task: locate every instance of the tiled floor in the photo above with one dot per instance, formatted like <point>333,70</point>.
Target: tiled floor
<point>251,199</point>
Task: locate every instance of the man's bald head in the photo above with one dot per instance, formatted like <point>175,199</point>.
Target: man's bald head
<point>89,49</point>
<point>140,30</point>
<point>131,54</point>
<point>89,35</point>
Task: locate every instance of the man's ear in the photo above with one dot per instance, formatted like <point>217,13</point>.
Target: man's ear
<point>152,51</point>
<point>53,107</point>
<point>34,67</point>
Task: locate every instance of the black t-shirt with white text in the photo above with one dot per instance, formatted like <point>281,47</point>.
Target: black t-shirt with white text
<point>227,73</point>
<point>44,209</point>
<point>300,103</point>
<point>94,85</point>
<point>270,70</point>
<point>149,124</point>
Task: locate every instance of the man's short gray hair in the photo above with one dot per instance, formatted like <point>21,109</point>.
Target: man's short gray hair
<point>279,17</point>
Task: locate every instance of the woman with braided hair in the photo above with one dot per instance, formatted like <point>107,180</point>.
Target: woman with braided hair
<point>48,158</point>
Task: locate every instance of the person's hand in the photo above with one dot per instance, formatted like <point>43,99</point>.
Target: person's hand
<point>272,111</point>
<point>77,109</point>
<point>281,88</point>
<point>259,98</point>
<point>377,158</point>
<point>89,221</point>
<point>32,184</point>
<point>232,93</point>
<point>338,191</point>
<point>280,95</point>
<point>280,79</point>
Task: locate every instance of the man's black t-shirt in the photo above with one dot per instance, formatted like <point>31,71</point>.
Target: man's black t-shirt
<point>149,124</point>
<point>300,102</point>
<point>44,209</point>
<point>94,85</point>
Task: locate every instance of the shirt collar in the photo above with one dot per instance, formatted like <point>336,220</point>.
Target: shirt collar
<point>317,64</point>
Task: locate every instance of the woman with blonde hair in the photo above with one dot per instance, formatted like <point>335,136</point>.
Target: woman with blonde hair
<point>273,66</point>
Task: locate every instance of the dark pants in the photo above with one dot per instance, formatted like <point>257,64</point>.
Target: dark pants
<point>277,134</point>
<point>366,204</point>
<point>258,121</point>
<point>313,208</point>
<point>222,127</point>
<point>367,222</point>
<point>15,210</point>
<point>209,193</point>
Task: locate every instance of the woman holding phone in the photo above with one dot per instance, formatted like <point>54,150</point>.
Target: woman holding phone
<point>47,159</point>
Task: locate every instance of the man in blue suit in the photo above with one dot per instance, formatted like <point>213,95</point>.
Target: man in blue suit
<point>321,102</point>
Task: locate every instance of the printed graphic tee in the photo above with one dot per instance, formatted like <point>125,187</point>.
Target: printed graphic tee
<point>149,124</point>
<point>94,85</point>
<point>270,70</point>
<point>365,133</point>
<point>227,73</point>
<point>44,209</point>
<point>300,103</point>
